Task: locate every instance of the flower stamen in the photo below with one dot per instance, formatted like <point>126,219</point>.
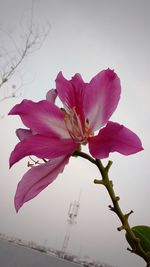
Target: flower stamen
<point>75,127</point>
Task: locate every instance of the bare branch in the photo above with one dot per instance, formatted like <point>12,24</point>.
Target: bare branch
<point>16,45</point>
<point>29,40</point>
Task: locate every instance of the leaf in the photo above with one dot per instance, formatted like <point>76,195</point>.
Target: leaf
<point>143,233</point>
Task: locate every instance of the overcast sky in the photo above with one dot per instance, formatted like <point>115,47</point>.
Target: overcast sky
<point>86,37</point>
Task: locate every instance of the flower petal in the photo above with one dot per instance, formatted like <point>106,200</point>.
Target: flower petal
<point>71,92</point>
<point>23,133</point>
<point>38,178</point>
<point>42,117</point>
<point>51,95</point>
<point>101,98</point>
<point>114,137</point>
<point>42,147</point>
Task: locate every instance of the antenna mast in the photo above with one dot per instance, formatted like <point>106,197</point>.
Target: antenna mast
<point>72,216</point>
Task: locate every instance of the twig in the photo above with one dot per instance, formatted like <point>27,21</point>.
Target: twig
<point>105,181</point>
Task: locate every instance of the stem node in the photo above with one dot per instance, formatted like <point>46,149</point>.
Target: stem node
<point>117,198</point>
<point>120,228</point>
<point>128,214</point>
<point>131,250</point>
<point>108,166</point>
<point>99,182</point>
<point>111,208</point>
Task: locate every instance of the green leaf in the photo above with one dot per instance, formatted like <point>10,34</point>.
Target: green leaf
<point>143,233</point>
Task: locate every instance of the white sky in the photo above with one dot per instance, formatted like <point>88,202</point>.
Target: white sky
<point>85,37</point>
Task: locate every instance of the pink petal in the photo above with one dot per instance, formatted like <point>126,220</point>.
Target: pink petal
<point>101,98</point>
<point>23,133</point>
<point>42,117</point>
<point>51,95</point>
<point>38,178</point>
<point>114,137</point>
<point>71,92</point>
<point>42,147</point>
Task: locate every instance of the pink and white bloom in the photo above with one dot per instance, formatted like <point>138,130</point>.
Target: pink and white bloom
<point>55,133</point>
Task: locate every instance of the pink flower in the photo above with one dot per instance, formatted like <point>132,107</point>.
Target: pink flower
<point>55,133</point>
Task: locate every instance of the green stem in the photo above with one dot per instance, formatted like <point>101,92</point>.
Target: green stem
<point>136,247</point>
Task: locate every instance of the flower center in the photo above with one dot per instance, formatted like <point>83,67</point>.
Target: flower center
<point>78,130</point>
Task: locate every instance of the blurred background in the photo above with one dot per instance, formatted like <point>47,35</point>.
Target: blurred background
<point>37,40</point>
